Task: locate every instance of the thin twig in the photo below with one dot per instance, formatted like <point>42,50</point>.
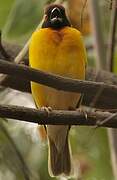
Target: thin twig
<point>112,37</point>
<point>100,123</point>
<point>98,35</point>
<point>96,22</point>
<point>81,15</point>
<point>20,55</point>
<point>23,52</point>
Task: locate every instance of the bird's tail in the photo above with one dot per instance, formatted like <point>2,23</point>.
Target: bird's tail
<point>59,162</point>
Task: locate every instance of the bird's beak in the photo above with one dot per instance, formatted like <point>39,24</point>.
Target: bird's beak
<point>56,16</point>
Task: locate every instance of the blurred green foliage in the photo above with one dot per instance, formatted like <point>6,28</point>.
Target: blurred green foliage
<point>23,19</point>
<point>93,145</point>
<point>5,7</point>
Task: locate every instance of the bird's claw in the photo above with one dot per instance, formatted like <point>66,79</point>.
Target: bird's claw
<point>84,112</point>
<point>46,109</point>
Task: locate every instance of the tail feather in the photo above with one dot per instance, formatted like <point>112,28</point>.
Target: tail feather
<point>59,162</point>
<point>67,162</point>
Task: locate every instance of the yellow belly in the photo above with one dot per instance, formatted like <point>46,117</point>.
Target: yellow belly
<point>59,52</point>
<point>45,96</point>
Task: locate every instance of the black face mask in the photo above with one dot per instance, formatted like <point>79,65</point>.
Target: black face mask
<point>55,17</point>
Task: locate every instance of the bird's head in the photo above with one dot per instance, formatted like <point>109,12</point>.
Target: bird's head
<point>55,17</point>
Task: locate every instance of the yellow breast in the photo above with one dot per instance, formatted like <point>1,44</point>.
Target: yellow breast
<point>60,52</point>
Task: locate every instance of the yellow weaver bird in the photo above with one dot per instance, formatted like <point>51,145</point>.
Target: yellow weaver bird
<point>57,48</point>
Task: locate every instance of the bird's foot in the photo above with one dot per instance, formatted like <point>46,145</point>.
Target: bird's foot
<point>81,110</point>
<point>46,109</point>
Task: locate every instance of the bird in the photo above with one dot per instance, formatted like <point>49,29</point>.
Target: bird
<point>57,48</point>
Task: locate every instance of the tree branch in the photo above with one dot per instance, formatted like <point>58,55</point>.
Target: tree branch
<point>89,88</point>
<point>91,75</point>
<point>54,81</point>
<point>57,117</point>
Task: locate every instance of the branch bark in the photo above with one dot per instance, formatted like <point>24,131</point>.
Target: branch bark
<point>57,117</point>
<point>89,88</point>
